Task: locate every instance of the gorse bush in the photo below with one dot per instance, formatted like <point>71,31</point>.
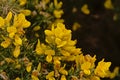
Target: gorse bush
<point>36,45</point>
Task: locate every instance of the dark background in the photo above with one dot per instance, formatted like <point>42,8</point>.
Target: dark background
<point>99,34</point>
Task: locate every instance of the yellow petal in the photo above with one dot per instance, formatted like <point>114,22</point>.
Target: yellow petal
<point>49,33</point>
<point>50,74</point>
<point>50,52</point>
<point>16,51</point>
<point>38,49</point>
<point>18,66</point>
<point>20,21</point>
<point>86,66</point>
<point>94,78</point>
<point>58,13</point>
<point>6,43</point>
<point>114,73</point>
<point>39,67</point>
<point>76,26</point>
<point>22,2</point>
<point>57,5</point>
<point>36,28</point>
<point>108,4</point>
<point>63,77</point>
<point>26,24</point>
<point>8,17</point>
<point>63,71</point>
<point>102,68</point>
<point>29,66</point>
<point>11,30</point>
<point>87,72</point>
<point>48,58</point>
<point>60,43</point>
<point>18,40</point>
<point>34,77</point>
<point>9,60</point>
<point>26,12</point>
<point>2,22</point>
<point>85,9</point>
<point>65,53</point>
<point>17,78</point>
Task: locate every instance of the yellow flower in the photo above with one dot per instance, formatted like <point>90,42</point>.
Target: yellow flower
<point>57,5</point>
<point>63,77</point>
<point>9,60</point>
<point>6,43</point>
<point>49,58</point>
<point>59,35</point>
<point>60,43</point>
<point>34,77</point>
<point>76,26</point>
<point>39,67</point>
<point>16,51</point>
<point>36,28</point>
<point>8,17</point>
<point>90,59</point>
<point>108,4</point>
<point>65,53</point>
<point>50,76</point>
<point>17,66</point>
<point>18,40</point>
<point>102,68</point>
<point>72,49</point>
<point>46,1</point>
<point>20,21</point>
<point>58,21</point>
<point>50,38</point>
<point>94,78</point>
<point>49,33</point>
<point>79,59</point>
<point>29,66</point>
<point>49,54</point>
<point>57,62</point>
<point>26,12</point>
<point>17,78</point>
<point>86,67</point>
<point>58,13</point>
<point>69,58</point>
<point>35,74</point>
<point>114,73</point>
<point>39,49</point>
<point>2,22</point>
<point>22,2</point>
<point>11,30</point>
<point>63,71</point>
<point>85,9</point>
<point>62,33</point>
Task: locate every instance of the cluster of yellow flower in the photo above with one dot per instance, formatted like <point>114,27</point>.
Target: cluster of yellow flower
<point>14,31</point>
<point>61,49</point>
<point>55,58</point>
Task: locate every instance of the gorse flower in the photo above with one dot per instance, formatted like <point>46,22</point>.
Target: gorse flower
<point>39,49</point>
<point>50,76</point>
<point>22,2</point>
<point>42,48</point>
<point>6,43</point>
<point>85,9</point>
<point>16,51</point>
<point>2,22</point>
<point>58,13</point>
<point>49,54</point>
<point>108,4</point>
<point>102,68</point>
